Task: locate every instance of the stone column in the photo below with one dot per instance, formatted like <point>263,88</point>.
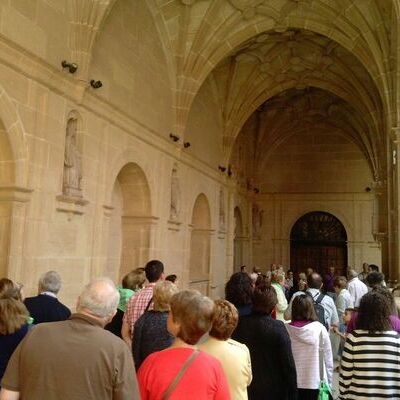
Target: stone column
<point>393,217</point>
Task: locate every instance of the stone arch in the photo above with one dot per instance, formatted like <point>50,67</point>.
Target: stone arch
<point>130,223</point>
<point>364,53</point>
<point>13,181</point>
<point>200,245</point>
<point>336,212</point>
<point>318,240</point>
<point>135,156</point>
<point>14,131</point>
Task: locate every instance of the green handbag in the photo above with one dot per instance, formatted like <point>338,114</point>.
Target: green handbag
<point>324,388</point>
<point>324,391</point>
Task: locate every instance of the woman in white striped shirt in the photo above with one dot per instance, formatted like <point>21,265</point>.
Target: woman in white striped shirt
<point>370,367</point>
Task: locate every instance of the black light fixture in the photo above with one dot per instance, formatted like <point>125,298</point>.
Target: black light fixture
<point>186,145</point>
<point>72,67</point>
<point>175,138</point>
<point>221,168</point>
<point>96,84</point>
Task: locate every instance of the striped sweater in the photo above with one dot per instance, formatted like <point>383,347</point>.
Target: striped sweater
<point>370,367</point>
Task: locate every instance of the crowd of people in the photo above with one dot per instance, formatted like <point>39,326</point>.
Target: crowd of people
<point>275,336</point>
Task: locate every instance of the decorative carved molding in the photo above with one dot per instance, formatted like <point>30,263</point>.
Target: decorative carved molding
<point>15,193</point>
<point>174,225</point>
<point>139,220</point>
<point>71,205</point>
<point>108,210</point>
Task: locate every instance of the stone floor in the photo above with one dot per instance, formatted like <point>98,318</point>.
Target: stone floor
<point>335,388</point>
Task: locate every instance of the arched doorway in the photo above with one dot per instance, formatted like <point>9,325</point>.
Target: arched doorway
<point>129,237</point>
<point>199,264</point>
<point>318,240</point>
<point>238,240</point>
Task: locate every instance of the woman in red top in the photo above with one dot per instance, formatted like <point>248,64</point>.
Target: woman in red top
<point>190,318</point>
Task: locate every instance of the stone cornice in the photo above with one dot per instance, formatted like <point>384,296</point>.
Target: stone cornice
<point>15,193</point>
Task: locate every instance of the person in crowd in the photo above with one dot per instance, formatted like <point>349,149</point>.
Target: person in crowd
<point>299,285</point>
<point>74,359</point>
<point>343,299</point>
<point>309,271</point>
<point>234,356</point>
<point>243,268</point>
<point>289,283</point>
<point>132,283</point>
<point>274,371</point>
<point>277,281</point>
<point>238,291</point>
<point>141,302</point>
<point>375,279</point>
<point>203,378</point>
<point>356,288</point>
<point>394,319</point>
<point>343,302</point>
<point>362,276</point>
<point>314,283</point>
<point>329,278</point>
<point>151,333</point>
<point>308,336</point>
<point>257,270</point>
<point>370,360</point>
<point>13,321</point>
<point>173,278</point>
<point>45,307</point>
<point>375,268</point>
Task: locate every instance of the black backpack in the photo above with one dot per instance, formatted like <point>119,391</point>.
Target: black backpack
<point>319,309</point>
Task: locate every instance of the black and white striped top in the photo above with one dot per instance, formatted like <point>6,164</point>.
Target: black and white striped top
<point>370,367</point>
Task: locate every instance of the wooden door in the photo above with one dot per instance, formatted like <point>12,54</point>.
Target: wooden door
<point>318,240</point>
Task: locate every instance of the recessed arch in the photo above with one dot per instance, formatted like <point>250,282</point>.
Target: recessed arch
<point>200,245</point>
<point>129,231</point>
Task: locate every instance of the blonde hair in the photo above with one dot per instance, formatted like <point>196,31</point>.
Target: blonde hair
<point>194,313</point>
<point>225,320</point>
<point>162,295</point>
<point>134,280</point>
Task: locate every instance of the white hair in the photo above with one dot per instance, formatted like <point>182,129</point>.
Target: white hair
<point>100,298</point>
<point>50,281</point>
<point>351,273</point>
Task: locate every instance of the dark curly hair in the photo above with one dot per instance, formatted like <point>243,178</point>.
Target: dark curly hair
<point>239,288</point>
<point>374,312</point>
<point>375,279</point>
<point>389,296</point>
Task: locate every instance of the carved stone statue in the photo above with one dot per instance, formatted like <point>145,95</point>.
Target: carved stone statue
<point>175,195</point>
<point>257,216</point>
<point>72,162</point>
<point>221,210</point>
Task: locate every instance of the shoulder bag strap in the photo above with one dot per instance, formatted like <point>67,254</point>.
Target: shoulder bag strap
<point>179,375</point>
<point>321,356</point>
<point>148,304</point>
<point>319,298</point>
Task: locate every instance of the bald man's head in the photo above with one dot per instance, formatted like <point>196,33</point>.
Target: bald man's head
<point>99,298</point>
<point>314,281</point>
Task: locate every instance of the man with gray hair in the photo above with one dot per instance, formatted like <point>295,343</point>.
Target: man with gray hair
<point>45,307</point>
<point>356,288</point>
<point>74,359</point>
